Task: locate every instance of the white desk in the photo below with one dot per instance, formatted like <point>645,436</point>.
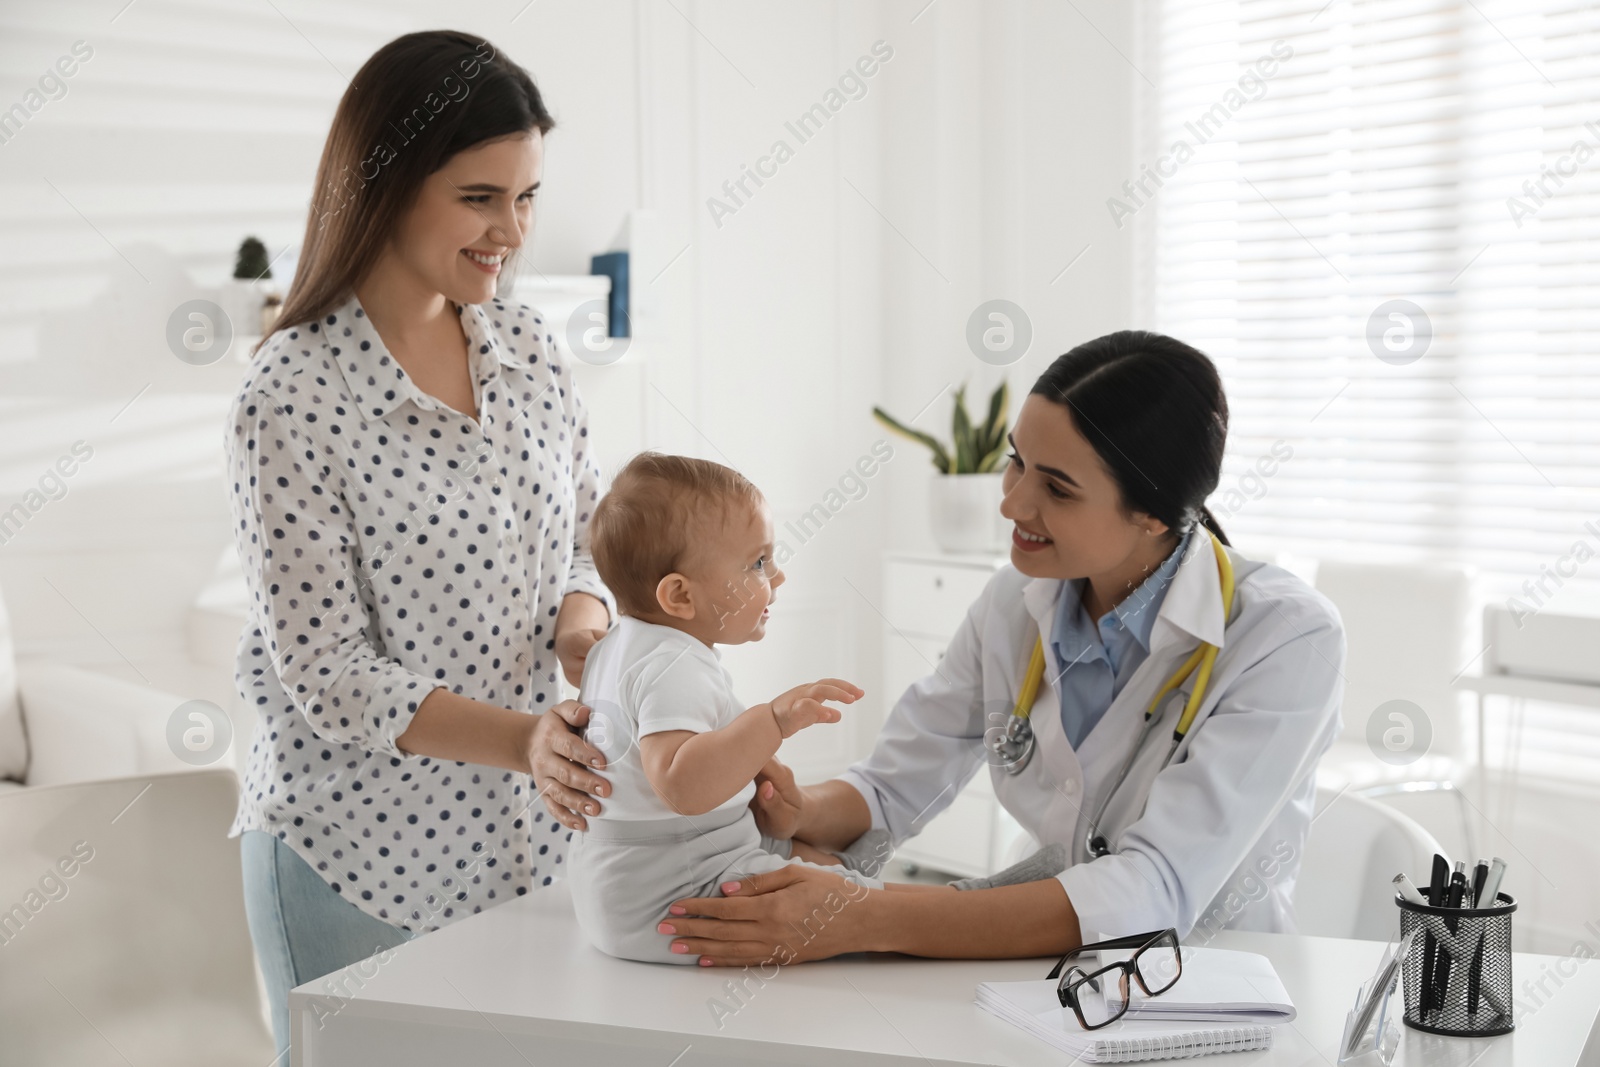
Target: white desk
<point>518,985</point>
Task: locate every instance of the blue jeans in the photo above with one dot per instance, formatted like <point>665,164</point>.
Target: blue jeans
<point>302,929</point>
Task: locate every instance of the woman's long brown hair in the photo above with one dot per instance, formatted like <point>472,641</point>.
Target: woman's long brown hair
<point>418,101</point>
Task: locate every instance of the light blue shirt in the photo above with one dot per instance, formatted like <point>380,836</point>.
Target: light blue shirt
<point>1094,660</point>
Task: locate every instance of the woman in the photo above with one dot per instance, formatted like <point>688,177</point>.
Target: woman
<point>412,484</point>
<point>1117,575</point>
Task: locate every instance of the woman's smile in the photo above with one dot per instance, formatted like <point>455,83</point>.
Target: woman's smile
<point>484,261</point>
<point>1027,540</point>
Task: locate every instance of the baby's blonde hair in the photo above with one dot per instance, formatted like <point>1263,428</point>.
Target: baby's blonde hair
<point>658,506</point>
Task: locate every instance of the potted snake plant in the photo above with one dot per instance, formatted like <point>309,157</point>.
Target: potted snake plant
<point>964,497</point>
<point>245,296</point>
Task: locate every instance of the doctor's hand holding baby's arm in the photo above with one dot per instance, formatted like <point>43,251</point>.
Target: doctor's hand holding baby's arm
<point>781,811</point>
<point>778,803</point>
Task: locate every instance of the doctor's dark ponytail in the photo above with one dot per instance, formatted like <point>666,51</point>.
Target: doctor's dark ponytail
<point>1154,410</point>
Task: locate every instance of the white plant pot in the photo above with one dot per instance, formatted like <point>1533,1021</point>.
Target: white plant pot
<point>964,513</point>
<point>243,300</point>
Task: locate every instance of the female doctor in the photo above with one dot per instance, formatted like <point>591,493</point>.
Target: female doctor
<point>1166,783</point>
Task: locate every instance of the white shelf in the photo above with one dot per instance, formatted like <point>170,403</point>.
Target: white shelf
<point>1520,686</point>
<point>991,560</point>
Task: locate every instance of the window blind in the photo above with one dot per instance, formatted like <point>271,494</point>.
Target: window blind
<point>1382,220</point>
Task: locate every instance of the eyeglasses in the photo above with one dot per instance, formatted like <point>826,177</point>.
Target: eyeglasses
<point>1156,965</point>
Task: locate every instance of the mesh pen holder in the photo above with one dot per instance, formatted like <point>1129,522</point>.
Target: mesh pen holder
<point>1466,993</point>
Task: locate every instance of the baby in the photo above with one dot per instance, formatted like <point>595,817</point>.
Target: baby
<point>685,545</point>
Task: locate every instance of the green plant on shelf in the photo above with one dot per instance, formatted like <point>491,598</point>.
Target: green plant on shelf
<point>251,264</point>
<point>975,448</point>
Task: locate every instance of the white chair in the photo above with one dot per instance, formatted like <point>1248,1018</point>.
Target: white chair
<point>1405,634</point>
<point>60,723</point>
<point>1542,657</point>
<point>1355,848</point>
<point>124,938</point>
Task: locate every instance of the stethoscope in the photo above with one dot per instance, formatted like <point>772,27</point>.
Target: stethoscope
<point>1014,748</point>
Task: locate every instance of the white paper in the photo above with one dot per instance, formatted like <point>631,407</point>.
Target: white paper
<point>1033,1007</point>
<point>1217,985</point>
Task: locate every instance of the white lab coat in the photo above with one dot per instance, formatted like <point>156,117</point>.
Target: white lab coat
<point>1218,843</point>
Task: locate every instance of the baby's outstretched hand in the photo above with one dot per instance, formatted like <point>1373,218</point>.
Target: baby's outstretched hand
<point>803,705</point>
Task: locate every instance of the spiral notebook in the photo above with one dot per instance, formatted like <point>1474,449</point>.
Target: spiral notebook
<point>1225,1002</point>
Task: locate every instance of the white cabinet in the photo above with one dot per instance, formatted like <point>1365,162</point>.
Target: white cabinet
<point>925,599</point>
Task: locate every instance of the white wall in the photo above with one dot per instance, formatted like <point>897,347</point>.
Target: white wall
<point>193,125</point>
<point>1010,122</point>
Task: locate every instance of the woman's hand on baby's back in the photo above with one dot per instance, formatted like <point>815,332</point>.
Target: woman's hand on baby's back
<point>559,760</point>
<point>803,705</point>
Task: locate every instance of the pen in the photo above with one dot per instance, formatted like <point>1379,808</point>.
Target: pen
<point>1491,885</point>
<point>1407,890</point>
<point>1475,976</point>
<point>1487,898</point>
<point>1439,880</point>
<point>1441,872</point>
<point>1458,886</point>
<point>1479,874</point>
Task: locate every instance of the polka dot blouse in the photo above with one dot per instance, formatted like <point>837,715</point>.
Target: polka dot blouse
<point>392,545</point>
